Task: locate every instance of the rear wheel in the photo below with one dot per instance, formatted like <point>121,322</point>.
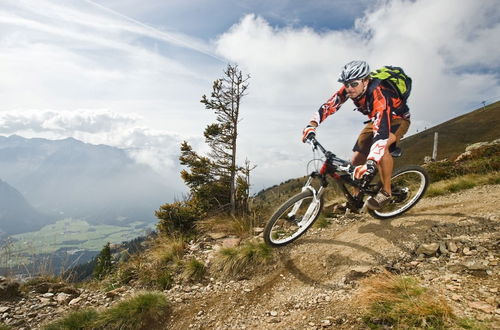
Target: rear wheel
<point>293,218</point>
<point>408,185</point>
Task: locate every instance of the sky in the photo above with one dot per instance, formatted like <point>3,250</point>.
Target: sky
<point>131,73</point>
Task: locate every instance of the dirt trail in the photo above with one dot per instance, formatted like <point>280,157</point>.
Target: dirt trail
<point>313,283</point>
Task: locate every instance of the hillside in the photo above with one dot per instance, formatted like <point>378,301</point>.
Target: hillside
<point>454,135</point>
<point>314,283</point>
<point>16,214</point>
<point>317,282</point>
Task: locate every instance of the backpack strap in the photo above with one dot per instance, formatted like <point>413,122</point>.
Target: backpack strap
<point>402,111</point>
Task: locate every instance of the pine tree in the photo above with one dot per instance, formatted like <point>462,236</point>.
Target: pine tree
<point>103,264</point>
<point>222,136</point>
<point>214,181</point>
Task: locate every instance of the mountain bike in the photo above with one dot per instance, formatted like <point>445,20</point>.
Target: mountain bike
<point>296,215</point>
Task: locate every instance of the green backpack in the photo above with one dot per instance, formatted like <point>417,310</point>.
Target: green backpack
<point>396,78</point>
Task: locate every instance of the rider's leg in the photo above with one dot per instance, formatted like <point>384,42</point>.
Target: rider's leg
<point>358,158</point>
<point>361,149</point>
<point>386,165</point>
<point>399,127</point>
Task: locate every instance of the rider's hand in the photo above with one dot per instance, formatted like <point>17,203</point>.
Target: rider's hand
<point>362,170</point>
<point>308,132</point>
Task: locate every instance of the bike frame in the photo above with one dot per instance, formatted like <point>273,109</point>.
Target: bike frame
<point>341,171</point>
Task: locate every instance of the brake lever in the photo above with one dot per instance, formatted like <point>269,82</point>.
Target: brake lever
<point>314,146</point>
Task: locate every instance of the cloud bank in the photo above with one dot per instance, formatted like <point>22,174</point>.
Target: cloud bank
<point>450,51</point>
<point>139,86</point>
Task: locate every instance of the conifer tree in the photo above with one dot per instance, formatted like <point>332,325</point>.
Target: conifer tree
<point>222,135</point>
<point>215,181</point>
<point>103,264</point>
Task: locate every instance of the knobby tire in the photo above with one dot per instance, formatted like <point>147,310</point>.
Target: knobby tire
<point>277,216</point>
<point>411,169</point>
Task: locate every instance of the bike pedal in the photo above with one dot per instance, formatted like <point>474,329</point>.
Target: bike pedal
<point>364,209</point>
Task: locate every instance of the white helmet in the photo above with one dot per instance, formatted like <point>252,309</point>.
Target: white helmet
<point>354,70</point>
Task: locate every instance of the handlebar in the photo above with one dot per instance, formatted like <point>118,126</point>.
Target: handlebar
<point>342,164</point>
<point>330,155</point>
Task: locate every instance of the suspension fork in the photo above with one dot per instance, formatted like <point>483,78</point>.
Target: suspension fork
<point>316,197</point>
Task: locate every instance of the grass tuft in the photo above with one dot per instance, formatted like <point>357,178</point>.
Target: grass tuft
<point>322,222</point>
<point>401,302</point>
<point>194,270</point>
<point>147,310</point>
<point>469,181</point>
<point>143,311</point>
<point>83,319</point>
<point>242,259</point>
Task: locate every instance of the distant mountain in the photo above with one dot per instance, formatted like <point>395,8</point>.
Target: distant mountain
<point>16,214</point>
<point>70,178</point>
<point>454,135</point>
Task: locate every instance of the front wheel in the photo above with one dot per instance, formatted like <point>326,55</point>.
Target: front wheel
<point>293,218</point>
<point>408,185</point>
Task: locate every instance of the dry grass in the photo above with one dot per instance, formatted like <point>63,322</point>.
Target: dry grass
<point>231,262</point>
<point>401,302</point>
<point>194,270</point>
<point>167,249</point>
<point>464,182</point>
<point>241,226</point>
<point>153,268</point>
<point>145,310</point>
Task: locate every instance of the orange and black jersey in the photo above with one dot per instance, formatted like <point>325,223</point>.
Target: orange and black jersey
<point>380,103</point>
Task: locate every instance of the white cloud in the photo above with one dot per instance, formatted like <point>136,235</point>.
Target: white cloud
<point>443,46</point>
<point>75,55</point>
<point>158,149</point>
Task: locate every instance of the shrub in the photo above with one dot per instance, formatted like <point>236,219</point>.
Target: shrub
<point>480,161</point>
<point>177,218</point>
<point>153,268</point>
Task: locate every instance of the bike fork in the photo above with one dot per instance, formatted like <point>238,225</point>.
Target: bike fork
<point>314,203</point>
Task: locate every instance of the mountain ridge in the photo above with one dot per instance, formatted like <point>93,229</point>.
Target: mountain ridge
<point>70,178</point>
<point>16,214</point>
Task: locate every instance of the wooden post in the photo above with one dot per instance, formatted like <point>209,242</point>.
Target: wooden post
<point>435,149</point>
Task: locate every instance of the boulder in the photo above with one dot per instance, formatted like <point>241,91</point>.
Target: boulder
<point>428,249</point>
<point>9,288</point>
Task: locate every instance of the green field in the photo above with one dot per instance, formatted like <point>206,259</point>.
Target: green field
<point>70,234</point>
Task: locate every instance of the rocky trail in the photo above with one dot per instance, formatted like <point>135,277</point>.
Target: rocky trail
<point>451,243</point>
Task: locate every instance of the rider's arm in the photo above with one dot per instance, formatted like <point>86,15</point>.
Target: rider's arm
<point>381,116</point>
<point>330,107</point>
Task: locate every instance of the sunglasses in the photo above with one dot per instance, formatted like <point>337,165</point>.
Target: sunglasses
<point>352,84</point>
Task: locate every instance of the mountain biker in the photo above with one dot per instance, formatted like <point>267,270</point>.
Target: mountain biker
<point>389,121</point>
